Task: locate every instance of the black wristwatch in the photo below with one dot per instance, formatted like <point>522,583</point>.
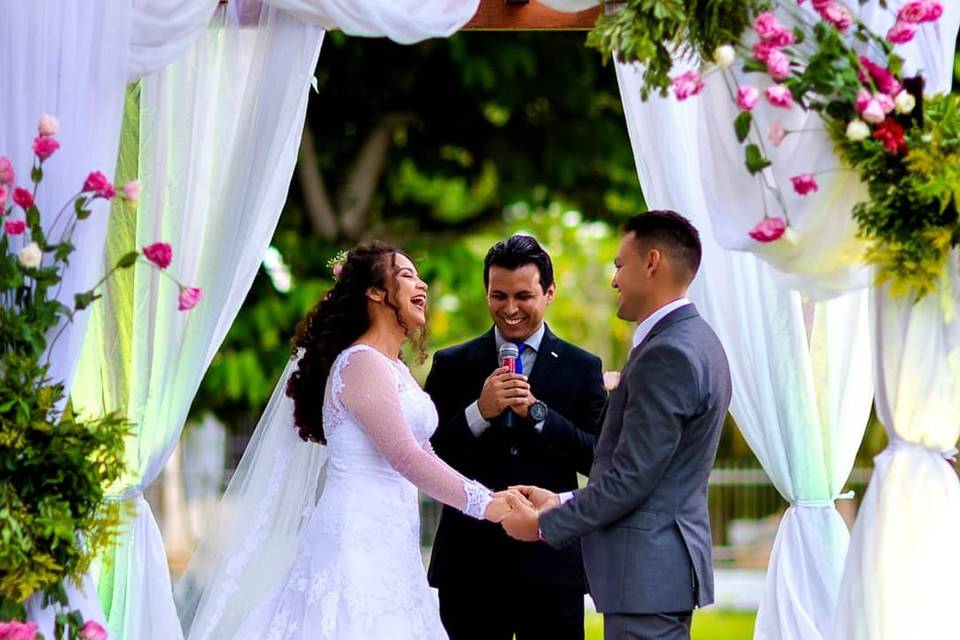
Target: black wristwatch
<point>537,412</point>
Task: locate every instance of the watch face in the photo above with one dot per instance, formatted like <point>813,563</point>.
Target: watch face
<point>538,411</point>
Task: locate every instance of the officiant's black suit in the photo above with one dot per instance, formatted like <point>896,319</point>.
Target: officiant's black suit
<point>490,585</point>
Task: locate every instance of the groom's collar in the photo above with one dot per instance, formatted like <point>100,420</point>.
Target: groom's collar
<point>645,328</point>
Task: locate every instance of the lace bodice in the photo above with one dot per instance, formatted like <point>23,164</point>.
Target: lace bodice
<point>378,420</point>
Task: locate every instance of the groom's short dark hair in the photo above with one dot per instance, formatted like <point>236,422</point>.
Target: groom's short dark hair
<point>515,252</point>
<point>671,233</point>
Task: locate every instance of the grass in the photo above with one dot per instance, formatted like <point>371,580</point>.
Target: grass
<point>711,624</point>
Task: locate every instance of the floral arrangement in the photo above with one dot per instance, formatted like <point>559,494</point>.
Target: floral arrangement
<point>816,56</point>
<point>55,467</point>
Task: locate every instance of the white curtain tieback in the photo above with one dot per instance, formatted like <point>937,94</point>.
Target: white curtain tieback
<point>134,493</point>
<point>899,444</point>
<point>823,503</point>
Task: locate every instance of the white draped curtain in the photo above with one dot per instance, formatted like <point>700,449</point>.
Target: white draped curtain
<point>72,59</point>
<point>219,131</point>
<point>801,402</point>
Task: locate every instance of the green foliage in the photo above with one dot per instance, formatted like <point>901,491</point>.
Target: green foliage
<point>54,466</point>
<point>652,32</point>
<point>911,217</point>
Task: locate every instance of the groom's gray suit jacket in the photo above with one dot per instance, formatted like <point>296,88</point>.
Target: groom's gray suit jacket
<point>642,521</point>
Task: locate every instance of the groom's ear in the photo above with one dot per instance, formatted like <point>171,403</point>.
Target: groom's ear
<point>654,261</point>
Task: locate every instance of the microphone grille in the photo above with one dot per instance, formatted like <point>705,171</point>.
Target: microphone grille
<point>509,350</point>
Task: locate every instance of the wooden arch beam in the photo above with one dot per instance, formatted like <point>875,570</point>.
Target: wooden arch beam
<point>521,15</point>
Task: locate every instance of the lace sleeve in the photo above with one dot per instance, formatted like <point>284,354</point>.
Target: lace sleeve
<point>369,392</point>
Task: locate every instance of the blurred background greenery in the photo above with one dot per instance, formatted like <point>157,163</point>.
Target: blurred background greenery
<point>444,148</point>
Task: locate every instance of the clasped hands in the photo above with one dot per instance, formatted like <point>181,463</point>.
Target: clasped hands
<point>518,510</point>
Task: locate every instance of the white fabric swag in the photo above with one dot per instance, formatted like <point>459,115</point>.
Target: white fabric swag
<point>71,59</point>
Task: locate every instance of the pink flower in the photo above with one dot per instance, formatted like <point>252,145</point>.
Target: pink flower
<point>48,126</point>
<point>159,253</point>
<point>837,15</point>
<point>14,227</point>
<point>913,12</point>
<point>804,183</point>
<point>779,96</point>
<point>7,174</point>
<point>687,84</point>
<point>132,190</point>
<point>820,5</point>
<point>885,81</point>
<point>747,97</point>
<point>3,197</point>
<point>337,270</point>
<point>934,11</point>
<point>777,133</point>
<point>901,33</point>
<point>189,297</point>
<point>778,66</point>
<point>97,183</point>
<point>863,99</point>
<point>93,631</point>
<point>762,51</point>
<point>767,26</point>
<point>782,38</point>
<point>45,146</point>
<point>886,103</point>
<point>23,198</point>
<point>769,230</point>
<point>15,630</point>
<point>873,113</point>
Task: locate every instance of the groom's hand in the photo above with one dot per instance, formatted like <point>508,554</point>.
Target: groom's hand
<point>541,499</point>
<point>523,523</point>
<point>504,503</point>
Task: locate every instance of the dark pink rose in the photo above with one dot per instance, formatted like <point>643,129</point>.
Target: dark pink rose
<point>762,51</point>
<point>804,183</point>
<point>15,630</point>
<point>913,12</point>
<point>95,182</point>
<point>93,631</point>
<point>159,253</point>
<point>687,84</point>
<point>23,198</point>
<point>7,175</point>
<point>45,146</point>
<point>14,227</point>
<point>189,297</point>
<point>779,96</point>
<point>901,33</point>
<point>769,230</point>
<point>934,11</point>
<point>886,82</point>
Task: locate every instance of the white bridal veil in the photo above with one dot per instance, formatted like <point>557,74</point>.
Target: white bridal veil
<point>252,539</point>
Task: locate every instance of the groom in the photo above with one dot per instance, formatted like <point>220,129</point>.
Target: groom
<point>642,521</point>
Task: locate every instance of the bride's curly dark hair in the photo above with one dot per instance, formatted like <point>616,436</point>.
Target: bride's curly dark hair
<point>337,320</point>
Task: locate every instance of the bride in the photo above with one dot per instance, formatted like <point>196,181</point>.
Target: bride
<point>321,539</point>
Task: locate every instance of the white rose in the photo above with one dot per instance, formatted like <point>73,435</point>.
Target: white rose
<point>49,125</point>
<point>30,256</point>
<point>904,102</point>
<point>724,56</point>
<point>858,130</point>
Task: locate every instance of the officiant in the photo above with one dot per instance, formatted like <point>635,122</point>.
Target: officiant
<point>537,426</point>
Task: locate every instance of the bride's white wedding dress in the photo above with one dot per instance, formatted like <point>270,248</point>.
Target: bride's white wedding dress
<point>358,572</point>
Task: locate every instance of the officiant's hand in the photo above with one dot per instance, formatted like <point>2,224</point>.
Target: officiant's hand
<point>541,499</point>
<point>504,503</point>
<point>503,390</point>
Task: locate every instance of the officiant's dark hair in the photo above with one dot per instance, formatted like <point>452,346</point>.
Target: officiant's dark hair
<point>518,251</point>
<point>670,232</point>
<point>335,323</point>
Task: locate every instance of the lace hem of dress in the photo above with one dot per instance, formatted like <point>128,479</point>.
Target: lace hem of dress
<point>478,497</point>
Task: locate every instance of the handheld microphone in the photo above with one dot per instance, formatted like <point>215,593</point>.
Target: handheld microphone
<point>508,358</point>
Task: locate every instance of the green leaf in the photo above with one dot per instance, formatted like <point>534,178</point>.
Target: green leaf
<point>36,174</point>
<point>754,66</point>
<point>799,35</point>
<point>755,160</point>
<point>742,125</point>
<point>33,217</point>
<point>63,250</point>
<point>128,260</point>
<point>83,214</point>
<point>85,299</point>
<point>79,203</point>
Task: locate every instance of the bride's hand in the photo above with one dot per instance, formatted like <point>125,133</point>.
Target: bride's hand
<point>503,503</point>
